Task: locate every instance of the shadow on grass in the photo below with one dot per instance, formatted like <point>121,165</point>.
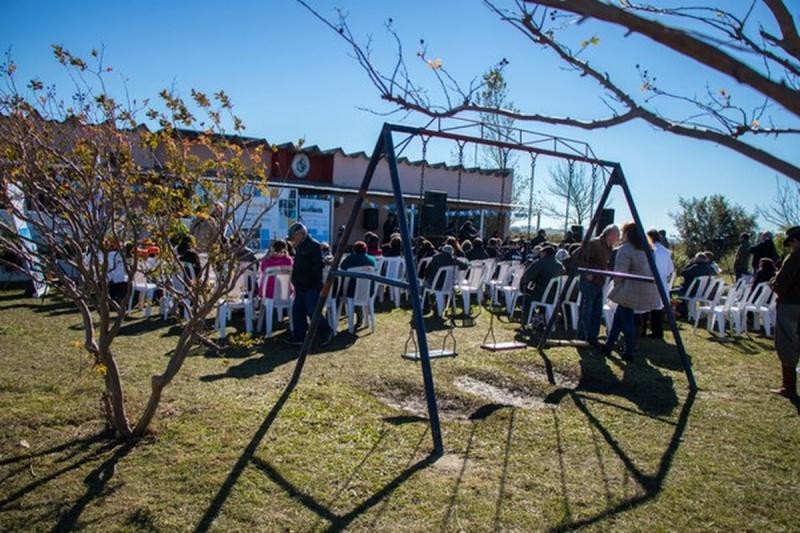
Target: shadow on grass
<point>92,479</point>
<point>641,383</point>
<point>651,483</point>
<point>95,483</point>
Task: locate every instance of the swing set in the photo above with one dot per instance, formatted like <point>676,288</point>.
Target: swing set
<point>465,131</point>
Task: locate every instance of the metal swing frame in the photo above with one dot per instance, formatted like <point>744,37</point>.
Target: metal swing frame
<point>466,131</point>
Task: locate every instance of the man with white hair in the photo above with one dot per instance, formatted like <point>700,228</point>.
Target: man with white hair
<point>597,256</point>
<point>307,282</point>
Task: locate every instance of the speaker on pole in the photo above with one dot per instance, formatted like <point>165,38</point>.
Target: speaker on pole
<point>606,218</point>
<point>370,221</point>
<point>434,214</point>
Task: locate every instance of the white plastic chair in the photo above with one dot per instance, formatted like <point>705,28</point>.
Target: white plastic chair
<point>752,302</point>
<point>721,312</point>
<point>767,312</point>
<point>394,268</point>
<point>695,291</point>
<point>178,292</point>
<point>498,280</point>
<point>147,289</point>
<point>446,278</point>
<point>549,299</point>
<point>572,303</point>
<point>363,297</point>
<point>705,306</point>
<point>759,308</point>
<point>281,300</point>
<point>511,290</point>
<point>241,297</point>
<point>472,284</point>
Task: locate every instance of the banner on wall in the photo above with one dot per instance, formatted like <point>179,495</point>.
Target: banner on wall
<point>281,212</point>
<point>316,215</point>
<point>17,198</point>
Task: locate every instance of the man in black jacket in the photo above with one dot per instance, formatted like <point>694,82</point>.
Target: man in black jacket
<point>764,248</point>
<point>307,281</point>
<point>787,324</point>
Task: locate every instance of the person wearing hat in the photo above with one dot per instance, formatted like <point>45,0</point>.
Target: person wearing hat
<point>787,324</point>
<point>307,282</point>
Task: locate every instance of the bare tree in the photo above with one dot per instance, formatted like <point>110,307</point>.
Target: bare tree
<point>570,191</point>
<point>784,211</point>
<point>755,44</point>
<point>92,179</point>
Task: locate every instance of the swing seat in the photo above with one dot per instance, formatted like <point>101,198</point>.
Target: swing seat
<point>433,354</point>
<point>504,346</point>
<point>571,343</point>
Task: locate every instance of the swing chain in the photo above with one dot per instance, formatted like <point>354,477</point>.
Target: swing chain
<point>425,141</point>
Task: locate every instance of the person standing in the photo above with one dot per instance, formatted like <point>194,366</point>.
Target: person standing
<point>764,248</point>
<point>389,227</point>
<point>631,296</point>
<point>787,324</point>
<point>665,268</point>
<point>740,268</point>
<point>307,282</point>
<point>596,255</point>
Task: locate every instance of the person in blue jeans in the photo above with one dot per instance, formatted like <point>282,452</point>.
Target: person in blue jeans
<point>595,255</point>
<point>631,296</point>
<point>307,282</point>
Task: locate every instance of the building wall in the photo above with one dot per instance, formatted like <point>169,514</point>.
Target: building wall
<point>482,187</point>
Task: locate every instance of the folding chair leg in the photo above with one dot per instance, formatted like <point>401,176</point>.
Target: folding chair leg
<point>351,325</point>
<point>248,317</point>
<point>222,319</point>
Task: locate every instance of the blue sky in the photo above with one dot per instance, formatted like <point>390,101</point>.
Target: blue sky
<point>291,77</point>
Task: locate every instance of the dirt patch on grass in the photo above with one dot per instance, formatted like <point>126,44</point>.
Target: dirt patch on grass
<point>538,373</point>
<point>515,395</point>
<point>410,397</point>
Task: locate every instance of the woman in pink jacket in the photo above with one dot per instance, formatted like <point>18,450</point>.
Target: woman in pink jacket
<point>278,256</point>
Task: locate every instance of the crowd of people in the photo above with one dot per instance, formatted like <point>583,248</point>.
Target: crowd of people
<point>619,251</point>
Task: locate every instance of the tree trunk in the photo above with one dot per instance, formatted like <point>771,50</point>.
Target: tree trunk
<point>116,398</point>
<point>158,383</point>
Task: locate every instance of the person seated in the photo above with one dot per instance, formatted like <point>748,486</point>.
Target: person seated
<point>466,247</point>
<point>766,271</point>
<point>373,244</point>
<point>562,256</point>
<point>327,255</point>
<point>696,268</point>
<point>394,248</point>
<point>492,247</point>
<point>568,239</point>
<point>277,256</point>
<point>511,252</point>
<point>478,252</point>
<point>359,258</point>
<point>541,238</point>
<point>715,268</point>
<point>538,275</point>
<point>244,252</point>
<point>187,254</point>
<point>445,258</point>
<point>457,250</point>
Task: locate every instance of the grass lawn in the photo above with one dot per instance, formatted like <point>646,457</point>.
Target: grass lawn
<point>610,447</point>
